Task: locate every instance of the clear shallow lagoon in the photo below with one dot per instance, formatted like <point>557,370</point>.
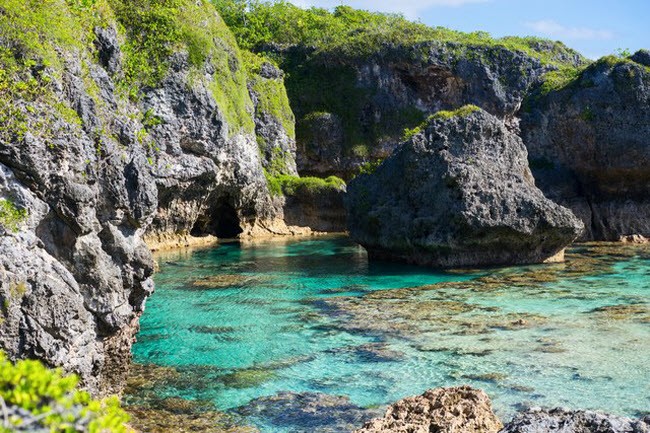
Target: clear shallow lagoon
<point>239,322</point>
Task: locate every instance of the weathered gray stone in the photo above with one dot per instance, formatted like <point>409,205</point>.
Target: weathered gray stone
<point>458,193</point>
<point>397,84</point>
<point>589,148</point>
<point>308,411</point>
<point>567,421</point>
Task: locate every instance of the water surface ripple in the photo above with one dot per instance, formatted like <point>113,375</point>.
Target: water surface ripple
<point>244,321</point>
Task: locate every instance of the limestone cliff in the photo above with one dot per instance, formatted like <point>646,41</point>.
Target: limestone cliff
<point>120,120</point>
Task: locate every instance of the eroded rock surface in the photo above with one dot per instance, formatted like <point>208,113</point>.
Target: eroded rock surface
<point>589,148</point>
<point>442,410</point>
<point>566,421</point>
<point>458,193</point>
<point>383,92</point>
<point>95,171</point>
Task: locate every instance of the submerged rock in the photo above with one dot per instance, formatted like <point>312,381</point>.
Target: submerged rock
<point>565,421</point>
<point>300,412</point>
<point>458,193</point>
<point>442,410</point>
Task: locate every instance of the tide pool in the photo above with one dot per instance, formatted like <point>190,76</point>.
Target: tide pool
<point>241,322</point>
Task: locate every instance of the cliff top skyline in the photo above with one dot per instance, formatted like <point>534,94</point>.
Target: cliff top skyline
<point>595,28</point>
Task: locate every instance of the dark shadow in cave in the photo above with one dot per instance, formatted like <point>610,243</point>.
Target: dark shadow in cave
<point>222,222</point>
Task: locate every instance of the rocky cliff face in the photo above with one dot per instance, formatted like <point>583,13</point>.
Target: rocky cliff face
<point>589,148</point>
<point>458,193</point>
<point>397,87</point>
<point>100,147</point>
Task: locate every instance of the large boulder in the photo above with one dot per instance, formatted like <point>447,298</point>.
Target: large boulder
<point>566,421</point>
<point>458,193</point>
<point>589,148</point>
<point>442,410</point>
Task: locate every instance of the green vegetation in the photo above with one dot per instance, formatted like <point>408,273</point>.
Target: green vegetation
<point>32,31</point>
<point>10,216</point>
<point>321,51</point>
<point>463,111</point>
<point>276,160</point>
<point>285,184</point>
<point>54,402</point>
<point>270,92</point>
<point>555,80</point>
<point>370,167</point>
<point>156,29</point>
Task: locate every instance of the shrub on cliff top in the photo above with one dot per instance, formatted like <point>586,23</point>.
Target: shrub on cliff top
<point>37,398</point>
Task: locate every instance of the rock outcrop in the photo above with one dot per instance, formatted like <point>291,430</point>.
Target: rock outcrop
<point>566,421</point>
<point>458,193</point>
<point>442,410</point>
<point>321,209</point>
<point>589,148</point>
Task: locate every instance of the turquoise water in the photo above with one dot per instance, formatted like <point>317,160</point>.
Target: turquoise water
<point>243,321</point>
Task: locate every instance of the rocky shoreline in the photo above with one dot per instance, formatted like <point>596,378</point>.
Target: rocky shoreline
<point>461,409</point>
<point>118,138</point>
<point>467,410</point>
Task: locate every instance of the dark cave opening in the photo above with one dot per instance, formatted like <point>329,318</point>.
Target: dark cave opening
<point>225,222</point>
<point>222,221</point>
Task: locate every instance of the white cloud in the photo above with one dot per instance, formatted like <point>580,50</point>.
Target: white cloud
<point>409,8</point>
<point>553,29</point>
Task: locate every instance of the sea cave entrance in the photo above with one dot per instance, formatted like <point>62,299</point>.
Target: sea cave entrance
<point>221,221</point>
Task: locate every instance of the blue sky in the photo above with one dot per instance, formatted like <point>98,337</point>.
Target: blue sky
<point>593,27</point>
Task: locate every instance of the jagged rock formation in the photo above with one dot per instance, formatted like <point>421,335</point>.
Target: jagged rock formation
<point>274,119</point>
<point>442,410</point>
<point>99,148</point>
<point>467,410</point>
<point>458,193</point>
<point>589,148</point>
<point>566,421</point>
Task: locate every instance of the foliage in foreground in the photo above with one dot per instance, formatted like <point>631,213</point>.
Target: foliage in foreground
<point>41,399</point>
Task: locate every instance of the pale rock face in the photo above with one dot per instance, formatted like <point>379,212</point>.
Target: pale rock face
<point>459,193</point>
<point>442,410</point>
